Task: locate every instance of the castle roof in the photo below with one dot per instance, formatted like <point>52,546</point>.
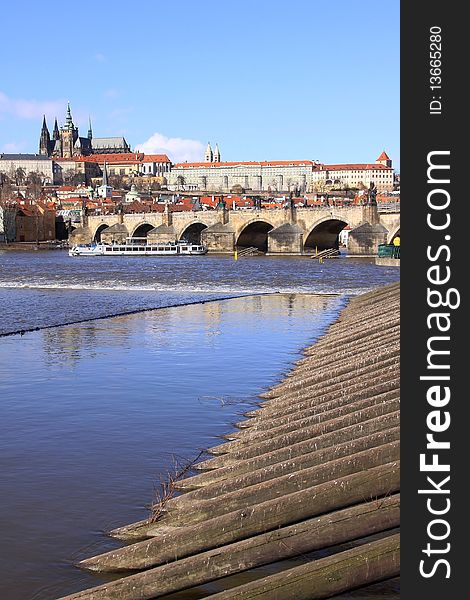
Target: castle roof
<point>109,142</point>
<point>155,158</point>
<point>383,156</point>
<point>265,163</point>
<point>24,157</point>
<point>355,167</point>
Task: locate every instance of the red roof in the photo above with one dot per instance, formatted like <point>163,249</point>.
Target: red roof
<point>351,167</point>
<point>254,163</point>
<point>156,158</point>
<point>383,156</point>
<point>127,157</point>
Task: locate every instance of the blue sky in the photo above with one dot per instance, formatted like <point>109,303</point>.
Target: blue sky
<point>305,79</point>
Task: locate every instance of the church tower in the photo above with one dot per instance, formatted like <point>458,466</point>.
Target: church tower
<point>209,156</point>
<point>90,131</point>
<point>68,135</point>
<point>384,160</point>
<point>217,154</point>
<point>45,139</point>
<point>105,190</point>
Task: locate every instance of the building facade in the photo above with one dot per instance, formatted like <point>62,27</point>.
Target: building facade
<point>355,175</point>
<point>29,163</point>
<point>278,176</point>
<point>275,176</point>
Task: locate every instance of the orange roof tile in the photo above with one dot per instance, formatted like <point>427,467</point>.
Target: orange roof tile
<point>128,157</point>
<point>383,156</point>
<point>265,163</point>
<point>357,167</point>
<point>156,158</point>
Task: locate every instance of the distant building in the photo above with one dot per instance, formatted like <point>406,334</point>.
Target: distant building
<point>35,223</point>
<point>156,165</point>
<point>355,175</point>
<point>67,143</point>
<point>105,190</point>
<point>29,163</point>
<point>278,175</point>
<point>124,165</point>
<point>275,176</point>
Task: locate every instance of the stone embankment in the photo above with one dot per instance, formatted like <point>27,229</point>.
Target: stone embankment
<point>316,467</point>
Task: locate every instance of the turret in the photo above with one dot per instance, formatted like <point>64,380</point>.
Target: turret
<point>217,154</point>
<point>384,160</point>
<point>45,139</point>
<point>68,118</point>
<point>209,157</point>
<point>105,176</point>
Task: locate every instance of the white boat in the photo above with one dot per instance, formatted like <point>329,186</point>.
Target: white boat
<point>138,247</point>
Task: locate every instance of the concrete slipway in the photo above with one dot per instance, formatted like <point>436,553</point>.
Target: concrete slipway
<point>316,466</point>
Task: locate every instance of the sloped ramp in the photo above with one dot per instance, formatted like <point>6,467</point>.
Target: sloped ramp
<point>316,466</point>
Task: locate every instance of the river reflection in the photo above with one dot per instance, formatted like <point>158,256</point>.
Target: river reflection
<point>93,414</point>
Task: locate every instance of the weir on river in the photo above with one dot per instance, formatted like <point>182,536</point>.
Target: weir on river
<point>316,467</point>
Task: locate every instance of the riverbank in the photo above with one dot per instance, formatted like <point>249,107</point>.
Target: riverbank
<point>314,469</point>
<point>34,246</point>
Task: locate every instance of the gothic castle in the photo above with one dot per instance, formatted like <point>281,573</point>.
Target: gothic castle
<point>66,143</point>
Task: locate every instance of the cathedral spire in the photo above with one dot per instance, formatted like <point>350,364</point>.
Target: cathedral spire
<point>217,153</point>
<point>90,131</point>
<point>45,139</point>
<point>68,118</point>
<point>56,134</point>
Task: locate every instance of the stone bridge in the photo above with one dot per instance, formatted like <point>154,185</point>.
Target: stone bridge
<point>275,231</point>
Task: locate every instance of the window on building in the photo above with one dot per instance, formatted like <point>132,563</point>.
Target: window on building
<point>122,171</point>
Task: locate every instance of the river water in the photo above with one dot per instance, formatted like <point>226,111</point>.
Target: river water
<point>94,412</point>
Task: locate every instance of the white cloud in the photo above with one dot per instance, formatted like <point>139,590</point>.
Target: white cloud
<point>30,109</point>
<point>178,149</point>
<point>13,147</point>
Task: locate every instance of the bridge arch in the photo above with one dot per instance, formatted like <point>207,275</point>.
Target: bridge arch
<point>98,231</point>
<point>192,232</point>
<point>254,233</point>
<point>325,234</point>
<point>393,234</point>
<point>142,229</point>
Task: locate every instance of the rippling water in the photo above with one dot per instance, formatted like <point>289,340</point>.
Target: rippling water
<point>39,289</point>
<point>94,413</point>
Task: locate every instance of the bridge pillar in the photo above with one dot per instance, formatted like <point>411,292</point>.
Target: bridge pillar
<point>219,238</point>
<point>370,214</point>
<point>81,235</point>
<point>163,234</point>
<point>365,238</point>
<point>286,239</point>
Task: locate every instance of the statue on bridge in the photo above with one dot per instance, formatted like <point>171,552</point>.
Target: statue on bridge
<point>372,195</point>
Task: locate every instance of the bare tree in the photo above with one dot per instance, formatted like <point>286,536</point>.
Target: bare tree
<point>20,175</point>
<point>8,209</point>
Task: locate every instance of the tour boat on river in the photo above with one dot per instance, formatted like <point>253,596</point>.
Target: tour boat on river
<point>138,247</point>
